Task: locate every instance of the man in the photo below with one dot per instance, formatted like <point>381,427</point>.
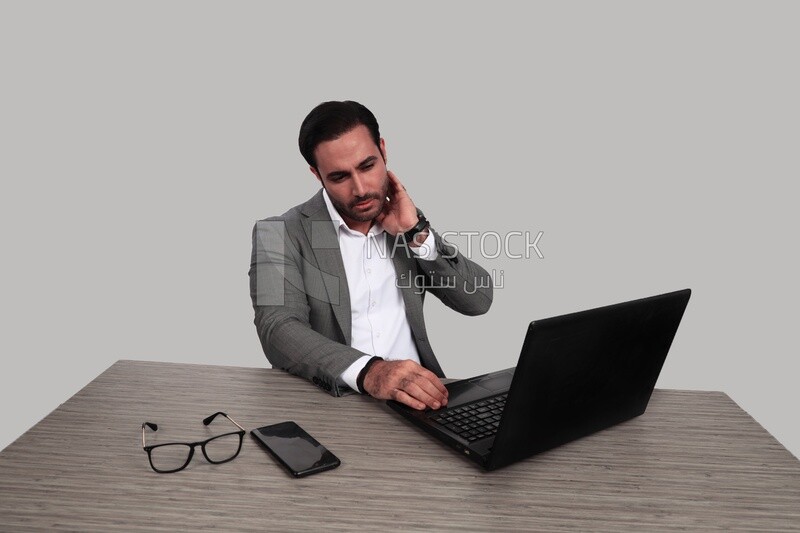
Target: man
<point>338,282</point>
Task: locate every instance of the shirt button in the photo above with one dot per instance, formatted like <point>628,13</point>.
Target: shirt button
<point>378,334</point>
<point>372,304</point>
<point>369,271</point>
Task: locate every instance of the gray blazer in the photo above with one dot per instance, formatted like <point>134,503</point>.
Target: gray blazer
<point>302,302</point>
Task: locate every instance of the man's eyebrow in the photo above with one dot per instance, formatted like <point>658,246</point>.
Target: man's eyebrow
<point>337,174</point>
<point>368,160</point>
<point>344,173</point>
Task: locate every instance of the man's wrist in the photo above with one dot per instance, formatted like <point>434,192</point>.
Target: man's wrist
<point>419,238</point>
<point>421,225</point>
<point>425,246</point>
<point>363,374</point>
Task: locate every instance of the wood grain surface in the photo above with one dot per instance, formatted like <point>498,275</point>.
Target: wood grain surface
<point>693,461</point>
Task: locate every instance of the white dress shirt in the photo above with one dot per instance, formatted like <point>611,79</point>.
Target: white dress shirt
<point>379,323</point>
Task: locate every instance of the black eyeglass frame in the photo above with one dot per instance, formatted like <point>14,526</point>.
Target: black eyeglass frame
<point>192,445</point>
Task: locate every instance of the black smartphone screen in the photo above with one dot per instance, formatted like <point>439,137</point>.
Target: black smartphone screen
<point>296,450</point>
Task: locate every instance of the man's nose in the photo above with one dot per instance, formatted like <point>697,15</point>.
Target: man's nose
<point>359,188</point>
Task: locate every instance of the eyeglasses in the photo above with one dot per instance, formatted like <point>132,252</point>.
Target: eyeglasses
<point>174,456</point>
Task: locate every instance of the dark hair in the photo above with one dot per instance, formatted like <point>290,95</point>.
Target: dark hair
<point>331,120</point>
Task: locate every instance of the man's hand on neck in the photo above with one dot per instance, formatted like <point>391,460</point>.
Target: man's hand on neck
<point>399,213</point>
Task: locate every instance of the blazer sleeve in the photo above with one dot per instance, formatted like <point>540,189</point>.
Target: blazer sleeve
<point>280,294</point>
<point>457,281</point>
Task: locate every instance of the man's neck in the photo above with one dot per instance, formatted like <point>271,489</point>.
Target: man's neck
<point>355,225</point>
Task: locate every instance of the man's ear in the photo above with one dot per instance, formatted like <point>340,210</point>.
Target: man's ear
<point>316,173</point>
<point>382,146</point>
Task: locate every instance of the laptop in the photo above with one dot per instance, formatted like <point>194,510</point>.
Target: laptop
<point>577,374</point>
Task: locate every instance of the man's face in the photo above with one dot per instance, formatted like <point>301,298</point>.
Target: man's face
<point>353,171</point>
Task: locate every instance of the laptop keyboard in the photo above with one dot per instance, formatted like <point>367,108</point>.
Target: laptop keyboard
<point>473,421</point>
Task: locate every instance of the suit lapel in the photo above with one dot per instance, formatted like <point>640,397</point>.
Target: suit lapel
<point>405,266</point>
<point>325,246</point>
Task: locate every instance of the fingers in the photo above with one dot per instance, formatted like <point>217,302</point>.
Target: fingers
<point>395,185</point>
<point>404,398</point>
<point>424,392</point>
<point>431,384</point>
<point>422,386</point>
<point>407,382</point>
<point>399,207</point>
<point>393,179</point>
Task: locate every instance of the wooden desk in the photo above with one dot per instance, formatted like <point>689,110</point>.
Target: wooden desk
<point>694,460</point>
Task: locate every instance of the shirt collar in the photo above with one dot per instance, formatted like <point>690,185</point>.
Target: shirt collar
<point>339,224</point>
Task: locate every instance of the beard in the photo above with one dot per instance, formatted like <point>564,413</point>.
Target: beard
<point>350,211</point>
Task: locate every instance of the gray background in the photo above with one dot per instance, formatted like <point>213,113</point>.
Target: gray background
<point>654,144</point>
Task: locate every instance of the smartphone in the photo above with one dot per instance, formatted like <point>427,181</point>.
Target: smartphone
<point>296,450</point>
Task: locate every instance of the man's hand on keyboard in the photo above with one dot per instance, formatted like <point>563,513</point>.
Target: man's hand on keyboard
<point>406,382</point>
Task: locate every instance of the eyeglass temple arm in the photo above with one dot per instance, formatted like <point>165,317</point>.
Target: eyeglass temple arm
<point>152,426</point>
<point>209,419</point>
<point>206,421</point>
